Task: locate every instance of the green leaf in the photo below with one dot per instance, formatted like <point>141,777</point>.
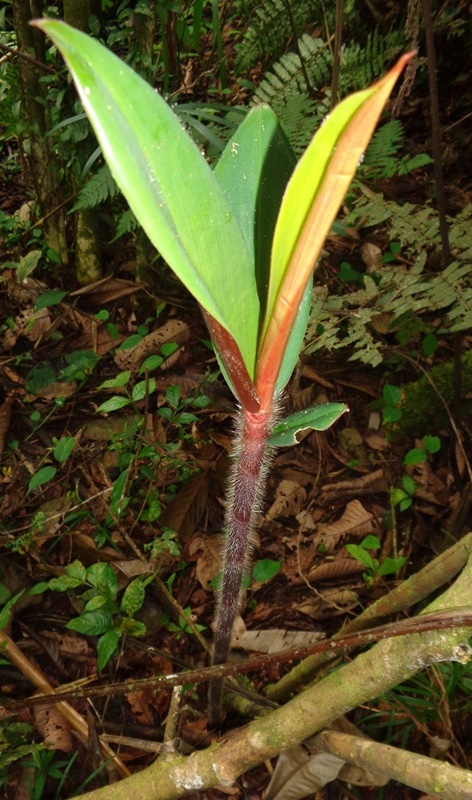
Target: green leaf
<point>358,552</point>
<point>27,265</point>
<point>318,418</point>
<point>295,341</point>
<point>63,583</point>
<point>254,170</point>
<point>103,578</point>
<point>49,299</point>
<point>92,623</point>
<point>63,448</point>
<point>6,610</point>
<point>41,477</point>
<point>415,456</point>
<point>118,381</point>
<point>265,569</point>
<point>391,395</point>
<point>370,542</point>
<point>409,484</point>
<point>97,601</point>
<point>391,565</point>
<point>77,570</point>
<point>113,404</point>
<point>167,183</point>
<point>132,627</point>
<point>142,388</point>
<point>107,646</point>
<point>310,204</point>
<point>133,597</point>
<point>151,363</point>
<point>432,443</point>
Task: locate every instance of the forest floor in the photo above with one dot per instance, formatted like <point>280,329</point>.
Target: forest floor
<point>140,487</point>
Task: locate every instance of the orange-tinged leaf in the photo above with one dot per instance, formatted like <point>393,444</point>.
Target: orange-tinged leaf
<point>310,204</point>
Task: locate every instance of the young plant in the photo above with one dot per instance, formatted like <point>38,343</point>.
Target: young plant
<point>244,239</point>
<point>375,568</point>
<point>104,615</point>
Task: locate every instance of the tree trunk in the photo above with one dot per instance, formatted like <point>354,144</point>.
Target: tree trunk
<point>88,262</point>
<point>38,149</point>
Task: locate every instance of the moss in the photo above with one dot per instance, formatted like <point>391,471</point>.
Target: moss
<point>422,409</point>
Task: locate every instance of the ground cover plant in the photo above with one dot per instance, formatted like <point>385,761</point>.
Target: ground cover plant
<point>122,550</point>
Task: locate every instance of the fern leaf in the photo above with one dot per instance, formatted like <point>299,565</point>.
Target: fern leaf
<point>271,27</point>
<point>99,187</point>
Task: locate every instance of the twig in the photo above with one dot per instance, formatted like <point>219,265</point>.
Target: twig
<point>448,618</point>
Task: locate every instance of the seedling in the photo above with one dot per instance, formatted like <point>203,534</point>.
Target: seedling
<point>104,615</point>
<point>375,568</point>
<point>244,239</point>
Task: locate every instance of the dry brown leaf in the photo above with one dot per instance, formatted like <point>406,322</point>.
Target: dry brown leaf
<point>289,500</point>
<point>372,483</point>
<point>53,727</point>
<point>206,551</point>
<point>185,511</point>
<point>139,705</point>
<point>172,331</point>
<point>339,568</point>
<point>371,255</point>
<point>329,602</point>
<point>107,290</point>
<point>275,640</point>
<point>356,521</point>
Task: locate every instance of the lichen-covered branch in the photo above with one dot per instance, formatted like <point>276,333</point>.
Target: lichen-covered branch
<point>437,778</point>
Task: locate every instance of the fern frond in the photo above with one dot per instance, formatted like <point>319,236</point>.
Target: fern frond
<point>382,160</point>
<point>362,64</point>
<point>271,28</point>
<point>405,296</point>
<point>99,187</point>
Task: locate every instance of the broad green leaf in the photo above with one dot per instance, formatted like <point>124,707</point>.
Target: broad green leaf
<point>432,443</point>
<point>391,565</point>
<point>167,183</point>
<point>133,597</point>
<point>113,404</point>
<point>48,299</point>
<point>309,206</point>
<point>265,569</point>
<point>132,627</point>
<point>41,477</point>
<point>415,456</point>
<point>106,647</point>
<point>92,623</point>
<point>391,395</point>
<point>28,264</point>
<point>118,381</point>
<point>370,542</point>
<point>254,170</point>
<point>143,388</point>
<point>319,418</point>
<point>103,578</point>
<point>77,570</point>
<point>358,552</point>
<point>64,448</point>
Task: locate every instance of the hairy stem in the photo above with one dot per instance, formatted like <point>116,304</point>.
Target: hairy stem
<point>245,492</point>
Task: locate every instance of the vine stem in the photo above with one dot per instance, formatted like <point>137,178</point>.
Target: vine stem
<point>248,476</point>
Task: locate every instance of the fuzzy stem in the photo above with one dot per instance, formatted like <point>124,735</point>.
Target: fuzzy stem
<point>246,487</point>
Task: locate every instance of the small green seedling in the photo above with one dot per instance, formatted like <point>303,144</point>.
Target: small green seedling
<point>375,568</point>
<point>104,614</point>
